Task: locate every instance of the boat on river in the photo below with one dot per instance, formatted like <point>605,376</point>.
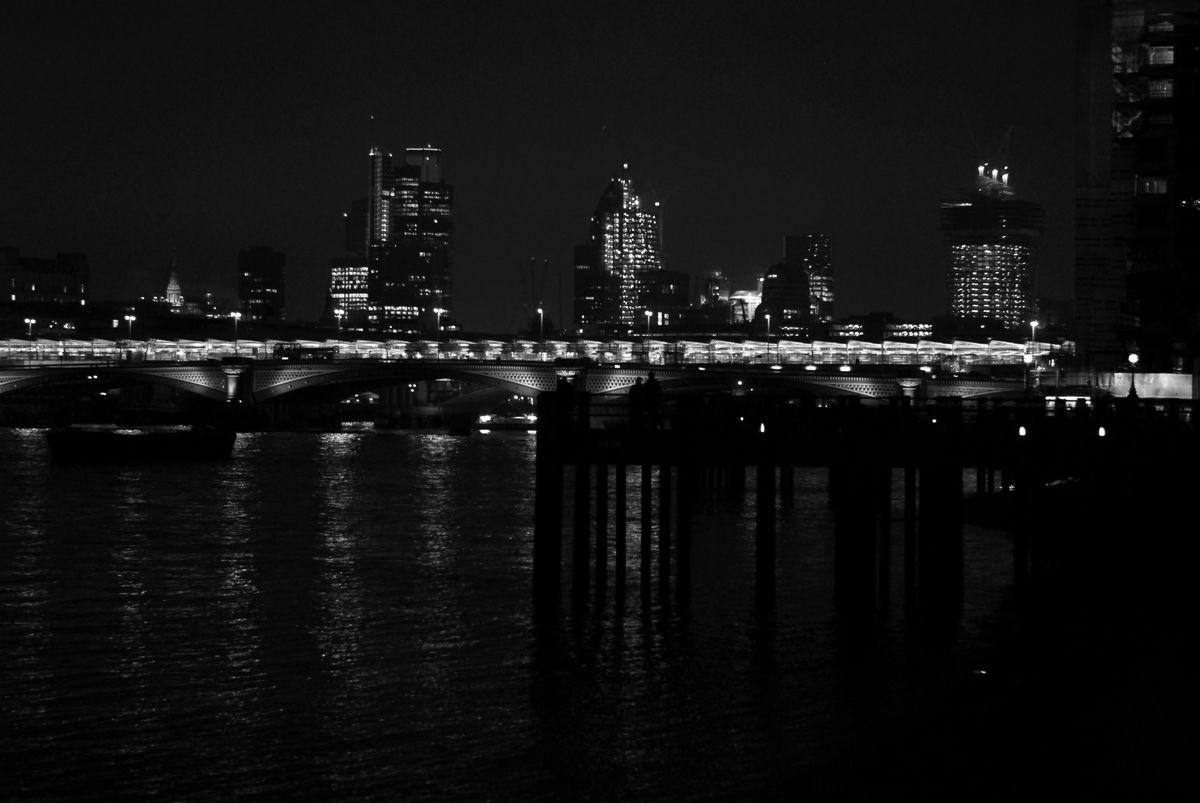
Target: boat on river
<point>139,445</point>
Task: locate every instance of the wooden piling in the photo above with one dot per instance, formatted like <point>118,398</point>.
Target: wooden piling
<point>764,530</point>
<point>664,528</point>
<point>601,529</point>
<point>548,508</point>
<point>621,529</point>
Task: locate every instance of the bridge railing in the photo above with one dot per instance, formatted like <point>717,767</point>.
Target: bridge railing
<point>953,356</point>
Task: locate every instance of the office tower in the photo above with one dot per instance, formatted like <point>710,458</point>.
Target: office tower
<point>348,290</point>
<point>618,272</point>
<point>399,278</point>
<point>1137,239</point>
<point>992,238</point>
<point>379,197</point>
<point>785,295</point>
<point>62,281</point>
<point>423,223</point>
<point>814,254</point>
<point>261,284</point>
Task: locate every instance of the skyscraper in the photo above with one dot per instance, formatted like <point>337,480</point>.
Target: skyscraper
<point>399,278</point>
<point>619,271</point>
<point>1137,239</point>
<point>261,284</point>
<point>785,295</point>
<point>992,238</point>
<point>814,254</point>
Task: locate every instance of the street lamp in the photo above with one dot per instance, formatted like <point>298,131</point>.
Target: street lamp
<point>1133,361</point>
<point>237,316</point>
<point>768,315</point>
<point>129,319</point>
<point>438,323</point>
<point>338,313</point>
<point>541,325</point>
<point>649,315</point>
<point>1033,325</point>
<point>29,322</point>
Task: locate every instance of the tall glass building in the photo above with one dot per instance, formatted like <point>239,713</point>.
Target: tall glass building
<point>1137,237</point>
<point>814,254</point>
<point>400,279</point>
<point>992,238</point>
<point>618,272</point>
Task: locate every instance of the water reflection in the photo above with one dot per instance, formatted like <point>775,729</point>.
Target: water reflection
<point>348,616</point>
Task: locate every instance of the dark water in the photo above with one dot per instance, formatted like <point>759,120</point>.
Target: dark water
<point>347,616</point>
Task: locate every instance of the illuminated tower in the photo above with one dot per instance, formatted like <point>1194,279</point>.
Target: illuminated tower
<point>617,272</point>
<point>399,279</point>
<point>174,291</point>
<point>993,239</point>
<point>379,198</point>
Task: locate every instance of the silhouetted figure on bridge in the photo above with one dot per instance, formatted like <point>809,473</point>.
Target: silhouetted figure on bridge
<point>637,399</point>
<point>653,397</point>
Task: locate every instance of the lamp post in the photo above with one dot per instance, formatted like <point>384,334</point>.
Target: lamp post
<point>541,325</point>
<point>768,315</point>
<point>29,322</point>
<point>1033,325</point>
<point>649,315</point>
<point>129,319</point>
<point>237,316</point>
<point>1133,361</point>
<point>339,313</point>
<point>438,323</point>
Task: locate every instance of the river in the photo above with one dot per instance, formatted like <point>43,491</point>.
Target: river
<point>347,616</point>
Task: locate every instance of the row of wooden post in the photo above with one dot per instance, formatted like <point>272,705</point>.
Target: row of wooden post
<point>860,494</point>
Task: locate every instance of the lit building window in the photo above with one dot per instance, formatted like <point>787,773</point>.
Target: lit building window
<point>1162,88</point>
<point>1151,185</point>
<point>1161,55</point>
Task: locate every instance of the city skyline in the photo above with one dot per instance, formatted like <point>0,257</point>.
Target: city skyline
<point>748,126</point>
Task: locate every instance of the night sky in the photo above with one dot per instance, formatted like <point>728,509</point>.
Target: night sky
<point>131,130</point>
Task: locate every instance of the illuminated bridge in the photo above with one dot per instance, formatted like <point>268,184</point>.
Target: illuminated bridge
<point>262,381</point>
<point>254,372</point>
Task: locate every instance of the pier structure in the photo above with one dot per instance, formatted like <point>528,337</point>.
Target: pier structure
<point>1025,467</point>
